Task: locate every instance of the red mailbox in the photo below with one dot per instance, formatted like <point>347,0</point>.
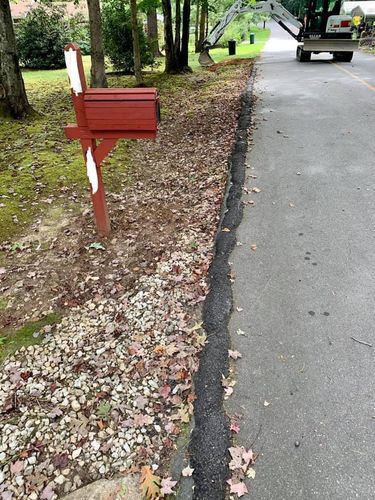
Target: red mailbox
<point>109,115</point>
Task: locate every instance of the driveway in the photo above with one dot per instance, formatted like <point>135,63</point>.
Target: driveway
<point>305,383</point>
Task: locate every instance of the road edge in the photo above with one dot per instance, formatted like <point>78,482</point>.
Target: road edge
<point>210,438</point>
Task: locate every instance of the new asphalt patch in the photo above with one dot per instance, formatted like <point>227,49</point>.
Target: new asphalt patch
<point>211,437</point>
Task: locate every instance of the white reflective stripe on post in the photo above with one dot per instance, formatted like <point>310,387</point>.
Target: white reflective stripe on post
<point>73,73</point>
<point>91,171</point>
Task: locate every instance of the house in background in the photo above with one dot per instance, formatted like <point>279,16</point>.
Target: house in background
<point>21,8</point>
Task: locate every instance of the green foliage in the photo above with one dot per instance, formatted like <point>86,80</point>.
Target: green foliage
<point>79,33</point>
<point>103,411</point>
<point>118,37</point>
<point>41,38</point>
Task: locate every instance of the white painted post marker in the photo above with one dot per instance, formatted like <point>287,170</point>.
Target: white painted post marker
<point>73,73</point>
<point>92,174</point>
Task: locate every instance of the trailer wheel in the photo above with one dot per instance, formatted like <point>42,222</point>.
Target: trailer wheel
<point>342,56</point>
<point>303,55</point>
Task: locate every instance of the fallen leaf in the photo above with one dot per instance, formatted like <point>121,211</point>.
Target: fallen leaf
<point>16,467</point>
<point>234,427</point>
<point>253,247</point>
<point>234,354</point>
<point>150,483</point>
<point>197,326</point>
<point>239,309</point>
<point>142,420</point>
<point>240,332</point>
<point>47,493</point>
<point>236,453</point>
<point>2,270</point>
<point>291,205</point>
<point>96,246</point>
<point>165,391</point>
<point>167,486</point>
<point>266,403</point>
<point>226,230</point>
<point>188,471</point>
<point>251,473</point>
<point>228,391</point>
<point>238,488</point>
<point>61,460</point>
<point>255,190</point>
<point>248,457</point>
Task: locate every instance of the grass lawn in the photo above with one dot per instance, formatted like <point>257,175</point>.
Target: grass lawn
<point>39,167</point>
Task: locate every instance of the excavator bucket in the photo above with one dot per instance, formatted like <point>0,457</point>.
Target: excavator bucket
<point>205,59</point>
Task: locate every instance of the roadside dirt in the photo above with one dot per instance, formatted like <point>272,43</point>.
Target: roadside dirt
<point>176,183</point>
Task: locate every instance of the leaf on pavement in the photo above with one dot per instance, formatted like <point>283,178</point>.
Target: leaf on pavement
<point>188,471</point>
<point>253,247</point>
<point>226,230</point>
<point>234,354</point>
<point>255,190</point>
<point>236,453</point>
<point>251,473</point>
<point>240,332</point>
<point>167,486</point>
<point>150,483</point>
<point>248,457</point>
<point>234,427</point>
<point>239,488</point>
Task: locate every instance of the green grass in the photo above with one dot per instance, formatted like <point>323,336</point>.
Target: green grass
<point>37,162</point>
<point>12,340</point>
<point>244,49</point>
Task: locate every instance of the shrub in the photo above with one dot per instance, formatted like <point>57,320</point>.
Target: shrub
<point>118,41</point>
<point>79,32</point>
<point>41,38</point>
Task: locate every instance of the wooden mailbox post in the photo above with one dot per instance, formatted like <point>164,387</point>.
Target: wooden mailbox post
<point>106,115</point>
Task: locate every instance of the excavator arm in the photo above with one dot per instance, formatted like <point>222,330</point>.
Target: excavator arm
<point>279,13</point>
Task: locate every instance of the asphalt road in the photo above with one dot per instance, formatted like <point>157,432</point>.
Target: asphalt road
<point>310,285</point>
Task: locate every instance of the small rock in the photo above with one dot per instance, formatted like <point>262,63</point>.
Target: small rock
<point>60,479</point>
<point>76,453</point>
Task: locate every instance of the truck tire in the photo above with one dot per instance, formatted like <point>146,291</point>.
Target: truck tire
<point>303,55</point>
<point>342,56</point>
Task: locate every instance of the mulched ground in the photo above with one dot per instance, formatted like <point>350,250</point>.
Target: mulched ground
<point>109,389</point>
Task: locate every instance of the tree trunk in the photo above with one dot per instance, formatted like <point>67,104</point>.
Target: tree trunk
<point>184,57</point>
<point>98,78</point>
<point>152,32</point>
<point>196,32</point>
<point>202,26</point>
<point>136,47</point>
<point>177,40</point>
<point>171,65</point>
<point>13,99</point>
